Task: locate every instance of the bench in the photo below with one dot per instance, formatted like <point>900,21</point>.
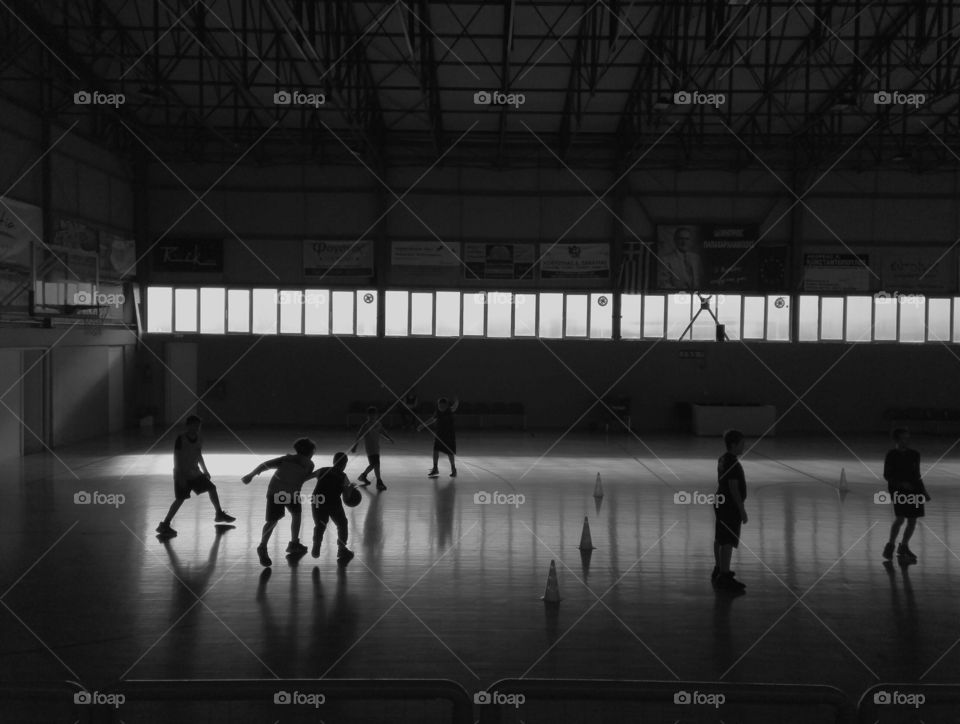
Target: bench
<point>714,419</point>
<point>928,420</point>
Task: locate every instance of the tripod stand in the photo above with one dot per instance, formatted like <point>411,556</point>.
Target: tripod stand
<point>705,307</point>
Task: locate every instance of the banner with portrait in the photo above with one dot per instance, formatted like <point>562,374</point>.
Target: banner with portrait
<point>707,257</point>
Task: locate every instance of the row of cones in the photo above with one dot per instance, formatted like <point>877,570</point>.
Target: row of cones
<point>552,592</point>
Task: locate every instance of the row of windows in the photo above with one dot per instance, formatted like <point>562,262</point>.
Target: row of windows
<point>550,315</point>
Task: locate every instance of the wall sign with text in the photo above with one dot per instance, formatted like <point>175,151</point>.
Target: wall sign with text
<point>189,255</point>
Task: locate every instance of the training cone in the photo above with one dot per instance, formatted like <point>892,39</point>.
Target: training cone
<point>598,488</point>
<point>552,592</point>
<point>843,479</point>
<point>586,542</point>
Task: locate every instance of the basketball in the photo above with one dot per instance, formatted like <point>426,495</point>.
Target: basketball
<point>352,497</point>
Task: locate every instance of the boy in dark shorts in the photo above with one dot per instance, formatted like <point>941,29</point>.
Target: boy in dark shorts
<point>728,511</point>
<point>445,436</point>
<point>283,493</point>
<point>901,470</point>
<point>370,432</point>
<point>327,505</point>
<point>190,475</point>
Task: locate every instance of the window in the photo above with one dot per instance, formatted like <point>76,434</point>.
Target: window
<point>499,314</point>
<point>264,311</point>
<point>448,314</point>
<point>160,310</point>
<point>913,317</point>
<point>808,324</point>
<point>367,313</point>
<point>291,311</point>
<point>653,315</point>
<point>601,316</point>
<point>778,318</point>
<point>474,306</point>
<point>421,313</point>
<point>575,318</point>
<point>859,319</point>
<point>631,316</point>
<point>729,307</point>
<point>185,310</point>
<point>938,320</point>
<point>213,307</point>
<point>551,315</point>
<point>396,314</point>
<point>884,319</point>
<point>678,315</point>
<point>525,315</point>
<point>316,311</point>
<point>831,318</point>
<point>754,309</point>
<point>342,312</point>
<point>238,311</point>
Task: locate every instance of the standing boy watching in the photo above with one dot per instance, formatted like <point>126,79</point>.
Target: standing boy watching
<point>190,475</point>
<point>729,511</point>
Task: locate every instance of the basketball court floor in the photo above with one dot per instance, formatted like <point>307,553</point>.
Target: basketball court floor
<point>449,573</point>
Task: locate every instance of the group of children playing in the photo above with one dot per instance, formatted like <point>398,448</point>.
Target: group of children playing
<point>901,470</point>
<point>291,472</point>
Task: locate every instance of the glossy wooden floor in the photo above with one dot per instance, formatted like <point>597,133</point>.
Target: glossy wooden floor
<point>443,586</point>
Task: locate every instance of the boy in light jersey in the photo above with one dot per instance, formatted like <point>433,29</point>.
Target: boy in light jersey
<point>370,432</point>
<point>190,475</point>
<point>283,493</point>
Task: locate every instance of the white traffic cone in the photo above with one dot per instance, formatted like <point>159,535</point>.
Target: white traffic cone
<point>552,592</point>
<point>598,488</point>
<point>586,542</point>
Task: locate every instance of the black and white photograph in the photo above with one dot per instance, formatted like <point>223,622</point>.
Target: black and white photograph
<point>463,362</point>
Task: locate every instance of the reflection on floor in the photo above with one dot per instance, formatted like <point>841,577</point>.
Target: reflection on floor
<point>449,572</point>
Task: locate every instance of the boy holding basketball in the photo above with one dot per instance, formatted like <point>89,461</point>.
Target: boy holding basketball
<point>445,436</point>
<point>283,493</point>
<point>370,432</point>
<point>729,511</point>
<point>190,475</point>
<point>327,505</point>
<point>901,470</point>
